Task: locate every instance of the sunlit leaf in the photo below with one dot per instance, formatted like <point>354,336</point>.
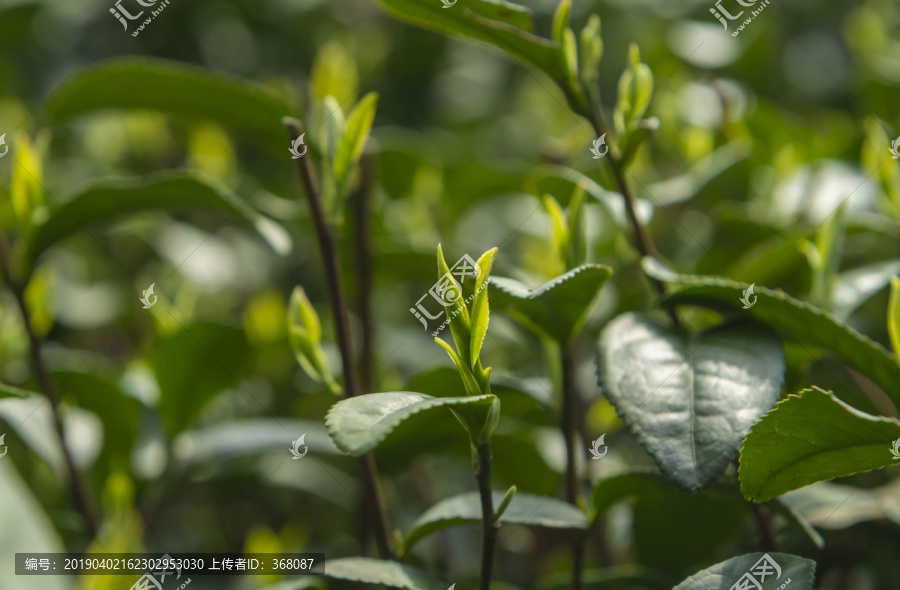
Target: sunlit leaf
<point>813,437</point>
<point>689,398</point>
<point>354,138</point>
<point>557,308</point>
<point>358,424</point>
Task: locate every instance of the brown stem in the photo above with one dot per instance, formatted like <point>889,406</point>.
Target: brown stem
<point>338,304</point>
<point>79,487</point>
<point>363,245</point>
<point>768,540</point>
<point>489,527</point>
<point>644,243</point>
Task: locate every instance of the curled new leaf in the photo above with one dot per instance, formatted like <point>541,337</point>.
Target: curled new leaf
<point>305,335</point>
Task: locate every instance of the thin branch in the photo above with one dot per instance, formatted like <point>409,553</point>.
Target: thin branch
<point>78,485</point>
<point>363,246</point>
<point>338,304</point>
<point>488,525</point>
<point>644,243</point>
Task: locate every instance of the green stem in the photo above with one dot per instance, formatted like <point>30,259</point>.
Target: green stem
<point>78,485</point>
<point>338,304</point>
<point>569,431</point>
<point>489,527</point>
<point>645,244</point>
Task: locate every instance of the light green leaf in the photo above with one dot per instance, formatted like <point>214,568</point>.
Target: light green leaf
<point>689,399</point>
<point>480,308</point>
<point>358,424</point>
<point>794,319</point>
<point>12,391</point>
<point>378,571</point>
<point>455,308</point>
<point>611,201</point>
<point>526,509</point>
<point>557,308</point>
<point>813,437</point>
<point>722,576</point>
<point>499,23</point>
<point>893,315</point>
<point>356,134</point>
<point>109,200</point>
<point>561,19</point>
<point>469,382</point>
<point>334,73</point>
<point>305,335</point>
<point>26,190</point>
<point>177,89</point>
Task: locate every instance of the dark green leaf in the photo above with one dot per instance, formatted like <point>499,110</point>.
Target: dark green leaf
<point>195,364</point>
<point>378,571</point>
<point>176,89</point>
<point>358,424</point>
<point>502,24</point>
<point>557,308</point>
<point>106,201</point>
<point>689,399</point>
<point>813,437</point>
<point>794,319</point>
<point>612,578</point>
<point>526,509</point>
<point>722,576</point>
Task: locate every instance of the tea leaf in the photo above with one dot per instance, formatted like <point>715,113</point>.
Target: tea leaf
<point>358,424</point>
<point>794,319</point>
<point>813,437</point>
<point>689,398</point>
<point>801,572</point>
<point>526,509</point>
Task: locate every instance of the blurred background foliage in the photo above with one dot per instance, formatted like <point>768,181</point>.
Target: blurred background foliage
<point>182,415</point>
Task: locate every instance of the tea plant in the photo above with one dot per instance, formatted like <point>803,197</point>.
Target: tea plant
<point>720,396</point>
